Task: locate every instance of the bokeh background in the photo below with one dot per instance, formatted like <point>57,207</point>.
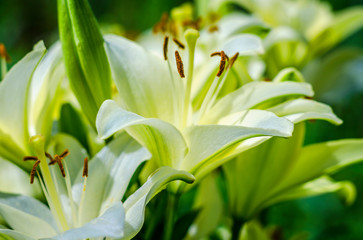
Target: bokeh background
<point>24,22</point>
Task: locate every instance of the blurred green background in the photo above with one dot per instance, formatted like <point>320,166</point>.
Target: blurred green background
<point>24,22</point>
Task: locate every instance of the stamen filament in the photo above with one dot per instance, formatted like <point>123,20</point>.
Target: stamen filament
<point>191,36</point>
<point>85,175</point>
<point>38,144</point>
<point>70,196</point>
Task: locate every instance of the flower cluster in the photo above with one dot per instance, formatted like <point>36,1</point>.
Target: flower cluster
<point>190,99</point>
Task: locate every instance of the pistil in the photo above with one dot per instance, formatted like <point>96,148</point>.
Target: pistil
<point>191,36</point>
<point>38,145</point>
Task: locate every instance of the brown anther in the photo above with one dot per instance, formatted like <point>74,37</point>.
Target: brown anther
<point>85,167</point>
<point>165,47</point>
<point>64,154</point>
<point>52,161</point>
<point>32,173</point>
<point>232,60</point>
<point>3,53</point>
<point>222,63</point>
<point>30,158</point>
<point>213,28</point>
<point>58,159</point>
<point>177,42</point>
<point>215,54</point>
<point>179,64</point>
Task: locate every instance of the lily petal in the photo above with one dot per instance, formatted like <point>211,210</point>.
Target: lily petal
<point>38,219</point>
<point>298,110</point>
<point>5,233</point>
<point>109,224</point>
<point>120,159</point>
<point>135,204</point>
<point>162,139</point>
<point>14,89</point>
<point>253,94</point>
<point>320,158</point>
<point>315,187</point>
<point>216,139</point>
<point>143,80</point>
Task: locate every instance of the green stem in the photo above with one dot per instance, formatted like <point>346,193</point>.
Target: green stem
<point>170,216</point>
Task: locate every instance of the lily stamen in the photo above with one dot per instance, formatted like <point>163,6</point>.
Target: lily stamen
<point>165,47</point>
<point>222,63</point>
<point>232,60</point>
<point>85,167</point>
<point>177,42</point>
<point>30,158</point>
<point>58,159</point>
<point>179,64</point>
<point>33,171</point>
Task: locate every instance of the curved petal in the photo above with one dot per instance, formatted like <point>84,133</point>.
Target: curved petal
<point>244,44</point>
<point>136,203</point>
<point>4,233</point>
<point>162,139</point>
<point>44,86</point>
<point>14,99</point>
<point>298,110</point>
<point>119,159</point>
<point>143,80</point>
<point>216,139</point>
<point>36,219</point>
<point>321,158</point>
<point>315,187</point>
<point>252,94</point>
<point>109,224</point>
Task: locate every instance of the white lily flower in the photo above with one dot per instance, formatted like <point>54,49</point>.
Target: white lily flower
<point>85,203</point>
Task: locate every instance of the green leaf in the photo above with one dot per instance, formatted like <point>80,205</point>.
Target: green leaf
<point>135,204</point>
<point>85,58</point>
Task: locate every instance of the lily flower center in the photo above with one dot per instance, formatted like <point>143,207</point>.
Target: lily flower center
<point>49,182</point>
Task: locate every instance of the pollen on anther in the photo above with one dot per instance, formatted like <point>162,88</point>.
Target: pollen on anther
<point>85,167</point>
<point>179,64</point>
<point>165,47</point>
<point>215,54</point>
<point>222,63</point>
<point>177,42</point>
<point>232,60</point>
<point>30,158</point>
<point>32,173</point>
<point>64,154</point>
